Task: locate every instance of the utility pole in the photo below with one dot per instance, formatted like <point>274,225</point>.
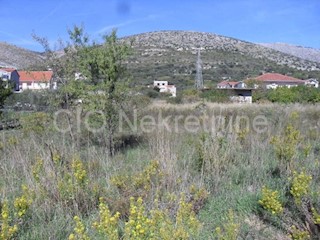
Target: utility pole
<point>199,79</point>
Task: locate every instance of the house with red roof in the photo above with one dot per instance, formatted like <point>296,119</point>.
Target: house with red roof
<point>274,80</point>
<point>231,84</point>
<point>11,77</point>
<point>36,80</point>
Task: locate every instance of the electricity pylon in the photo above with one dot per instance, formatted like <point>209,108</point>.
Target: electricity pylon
<point>199,79</point>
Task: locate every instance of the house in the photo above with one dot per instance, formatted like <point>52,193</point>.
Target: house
<point>231,84</point>
<point>237,91</point>
<point>274,80</point>
<point>165,87</point>
<point>37,80</point>
<point>11,76</point>
<point>312,82</point>
<point>227,84</point>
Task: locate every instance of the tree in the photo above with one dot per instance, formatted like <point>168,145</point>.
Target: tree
<point>5,92</point>
<point>252,83</point>
<point>103,65</point>
<point>64,62</point>
<point>101,86</point>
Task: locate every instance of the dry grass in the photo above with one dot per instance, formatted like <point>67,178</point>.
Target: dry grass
<point>231,165</point>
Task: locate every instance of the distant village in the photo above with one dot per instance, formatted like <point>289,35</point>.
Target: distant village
<point>240,91</point>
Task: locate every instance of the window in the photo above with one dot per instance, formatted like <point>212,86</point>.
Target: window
<point>5,77</point>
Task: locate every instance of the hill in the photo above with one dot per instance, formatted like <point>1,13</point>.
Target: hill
<point>307,53</point>
<point>171,55</point>
<point>13,56</point>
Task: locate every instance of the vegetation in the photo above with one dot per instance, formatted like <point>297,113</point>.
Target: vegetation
<point>190,183</point>
<point>92,74</point>
<point>4,94</point>
<point>101,162</point>
<point>300,94</point>
<point>169,55</point>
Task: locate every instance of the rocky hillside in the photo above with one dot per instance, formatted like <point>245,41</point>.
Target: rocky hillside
<point>310,54</point>
<point>12,56</point>
<point>171,55</point>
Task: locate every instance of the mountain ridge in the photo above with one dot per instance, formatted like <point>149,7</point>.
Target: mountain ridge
<point>209,41</point>
<point>171,55</point>
<point>308,53</point>
<point>17,57</point>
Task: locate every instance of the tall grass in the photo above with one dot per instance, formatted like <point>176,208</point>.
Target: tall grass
<point>232,165</point>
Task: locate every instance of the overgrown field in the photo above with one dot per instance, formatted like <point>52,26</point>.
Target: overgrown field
<point>197,171</point>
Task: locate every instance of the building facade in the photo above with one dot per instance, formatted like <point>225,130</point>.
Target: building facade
<point>11,77</point>
<point>36,80</point>
<point>165,87</point>
<point>275,80</point>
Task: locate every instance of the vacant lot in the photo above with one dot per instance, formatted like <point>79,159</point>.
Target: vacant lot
<point>201,171</point>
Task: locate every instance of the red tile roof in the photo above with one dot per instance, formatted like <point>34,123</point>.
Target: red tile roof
<point>277,77</point>
<point>225,83</point>
<point>37,76</point>
<point>8,69</point>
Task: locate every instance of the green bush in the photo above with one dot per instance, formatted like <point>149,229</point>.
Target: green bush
<point>215,95</point>
<point>152,93</point>
<point>300,94</point>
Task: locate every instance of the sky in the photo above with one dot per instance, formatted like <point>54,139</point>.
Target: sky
<point>295,22</point>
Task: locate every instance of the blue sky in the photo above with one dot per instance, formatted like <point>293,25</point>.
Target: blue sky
<point>291,21</point>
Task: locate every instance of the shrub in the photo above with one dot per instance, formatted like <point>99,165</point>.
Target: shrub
<point>286,146</point>
<point>297,234</point>
<point>300,186</point>
<point>315,216</point>
<point>142,224</point>
<point>230,229</point>
<point>215,95</point>
<point>107,225</point>
<point>300,94</point>
<point>79,230</point>
<point>10,222</point>
<point>7,231</point>
<point>36,123</point>
<point>153,93</point>
<point>270,201</point>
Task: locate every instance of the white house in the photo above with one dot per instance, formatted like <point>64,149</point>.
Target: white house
<point>10,75</point>
<point>36,80</point>
<point>165,87</point>
<point>275,80</point>
<point>312,82</point>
